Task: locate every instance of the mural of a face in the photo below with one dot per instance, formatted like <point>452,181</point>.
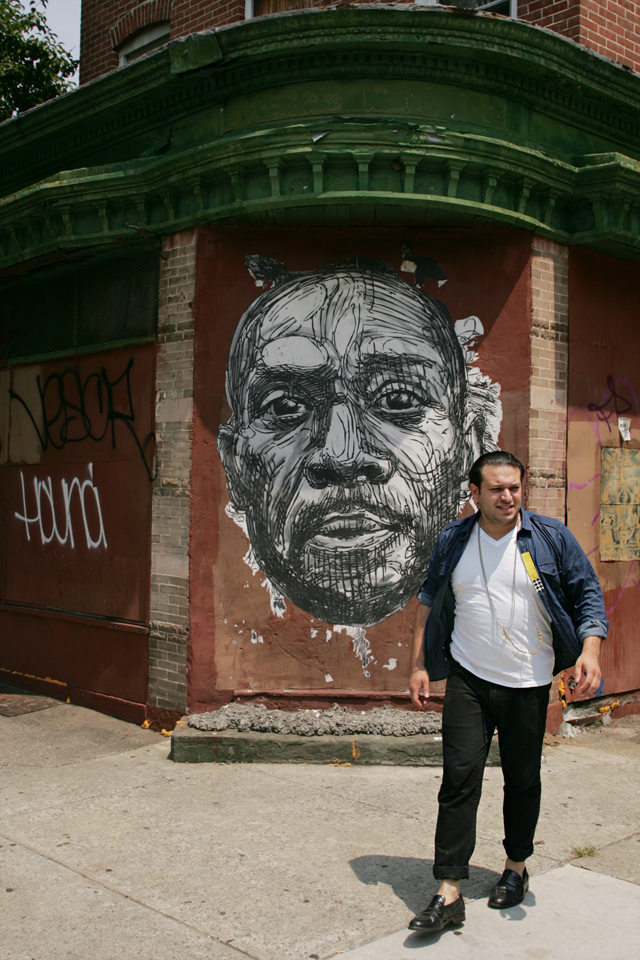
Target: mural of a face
<point>349,437</point>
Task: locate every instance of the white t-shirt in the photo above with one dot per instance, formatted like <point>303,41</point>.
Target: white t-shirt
<point>478,642</point>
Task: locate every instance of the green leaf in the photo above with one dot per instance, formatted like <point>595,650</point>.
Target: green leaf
<point>34,66</point>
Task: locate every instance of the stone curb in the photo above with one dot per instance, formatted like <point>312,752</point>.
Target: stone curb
<point>189,745</point>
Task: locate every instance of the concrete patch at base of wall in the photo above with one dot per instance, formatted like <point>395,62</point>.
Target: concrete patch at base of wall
<point>200,746</point>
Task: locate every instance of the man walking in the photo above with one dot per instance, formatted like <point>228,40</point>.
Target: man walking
<point>510,599</point>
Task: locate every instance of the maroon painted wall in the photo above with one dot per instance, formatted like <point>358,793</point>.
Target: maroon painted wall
<point>238,643</point>
<point>76,474</point>
<point>604,382</point>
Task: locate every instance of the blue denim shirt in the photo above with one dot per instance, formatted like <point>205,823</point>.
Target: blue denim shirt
<point>571,592</point>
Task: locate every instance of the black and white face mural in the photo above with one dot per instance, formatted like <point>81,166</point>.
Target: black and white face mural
<point>356,413</point>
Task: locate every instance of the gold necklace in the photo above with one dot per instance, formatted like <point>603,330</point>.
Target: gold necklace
<point>525,653</point>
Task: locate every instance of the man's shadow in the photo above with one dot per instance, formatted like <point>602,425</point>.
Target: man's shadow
<point>412,881</point>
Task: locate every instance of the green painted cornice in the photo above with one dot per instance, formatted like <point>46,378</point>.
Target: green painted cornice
<point>362,115</point>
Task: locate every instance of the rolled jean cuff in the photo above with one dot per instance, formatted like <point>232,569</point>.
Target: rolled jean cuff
<point>451,873</point>
<point>517,854</point>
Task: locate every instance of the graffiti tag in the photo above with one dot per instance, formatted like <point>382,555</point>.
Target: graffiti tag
<point>43,492</point>
<point>66,400</point>
<point>613,404</point>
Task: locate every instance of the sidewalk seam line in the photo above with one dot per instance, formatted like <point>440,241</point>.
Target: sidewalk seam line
<point>127,896</point>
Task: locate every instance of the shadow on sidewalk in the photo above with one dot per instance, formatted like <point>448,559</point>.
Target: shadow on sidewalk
<point>412,881</point>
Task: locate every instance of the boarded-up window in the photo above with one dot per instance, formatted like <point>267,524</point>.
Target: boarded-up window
<point>107,300</point>
<point>620,503</point>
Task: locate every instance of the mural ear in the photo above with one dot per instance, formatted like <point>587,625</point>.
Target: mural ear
<point>265,270</point>
<point>483,417</point>
<point>468,331</point>
<point>226,452</point>
<point>474,429</point>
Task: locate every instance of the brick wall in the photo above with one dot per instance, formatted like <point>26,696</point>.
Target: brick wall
<point>109,22</point>
<point>563,16</point>
<point>169,606</point>
<point>610,27</point>
<point>549,371</point>
<point>141,15</point>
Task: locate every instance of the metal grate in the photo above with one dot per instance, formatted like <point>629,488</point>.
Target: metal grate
<point>109,300</point>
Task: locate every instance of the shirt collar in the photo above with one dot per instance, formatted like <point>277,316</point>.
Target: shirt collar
<point>525,518</point>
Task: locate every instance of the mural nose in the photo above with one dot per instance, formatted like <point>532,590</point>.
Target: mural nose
<point>342,459</point>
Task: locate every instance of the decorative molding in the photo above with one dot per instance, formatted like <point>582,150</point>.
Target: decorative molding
<point>481,169</point>
<point>531,67</point>
<point>240,177</point>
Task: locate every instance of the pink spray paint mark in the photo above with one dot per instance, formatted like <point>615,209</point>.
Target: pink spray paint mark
<point>581,486</point>
<point>595,518</point>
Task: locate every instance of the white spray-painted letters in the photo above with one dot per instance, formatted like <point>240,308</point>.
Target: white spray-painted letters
<point>43,492</point>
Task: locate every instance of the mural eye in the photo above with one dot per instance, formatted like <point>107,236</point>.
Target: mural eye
<point>397,399</point>
<point>283,406</point>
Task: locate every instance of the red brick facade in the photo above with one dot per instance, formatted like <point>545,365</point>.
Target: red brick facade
<point>108,23</point>
<point>610,27</point>
<point>563,16</point>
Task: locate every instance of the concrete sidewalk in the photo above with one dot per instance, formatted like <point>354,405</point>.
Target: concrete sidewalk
<point>109,850</point>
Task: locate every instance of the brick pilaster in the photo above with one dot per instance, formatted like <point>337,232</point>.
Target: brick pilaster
<point>549,370</point>
<point>169,607</point>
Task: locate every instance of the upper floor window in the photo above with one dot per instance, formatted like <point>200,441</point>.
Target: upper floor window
<point>144,42</point>
<point>260,8</point>
<point>508,8</point>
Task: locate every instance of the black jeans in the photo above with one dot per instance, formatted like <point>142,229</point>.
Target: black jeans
<point>473,709</point>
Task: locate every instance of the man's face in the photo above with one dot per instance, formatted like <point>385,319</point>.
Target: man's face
<point>346,447</point>
<point>499,497</point>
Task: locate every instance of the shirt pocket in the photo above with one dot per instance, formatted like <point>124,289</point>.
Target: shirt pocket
<point>550,572</point>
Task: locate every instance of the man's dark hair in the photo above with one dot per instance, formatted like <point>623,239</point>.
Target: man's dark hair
<point>496,458</point>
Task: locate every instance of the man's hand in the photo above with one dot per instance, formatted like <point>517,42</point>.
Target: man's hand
<point>419,678</point>
<point>419,687</point>
<point>587,673</point>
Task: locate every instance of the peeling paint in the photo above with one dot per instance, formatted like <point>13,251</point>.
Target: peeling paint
<point>361,646</point>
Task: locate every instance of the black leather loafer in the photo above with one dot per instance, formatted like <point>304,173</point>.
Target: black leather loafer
<point>436,915</point>
<point>510,889</point>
